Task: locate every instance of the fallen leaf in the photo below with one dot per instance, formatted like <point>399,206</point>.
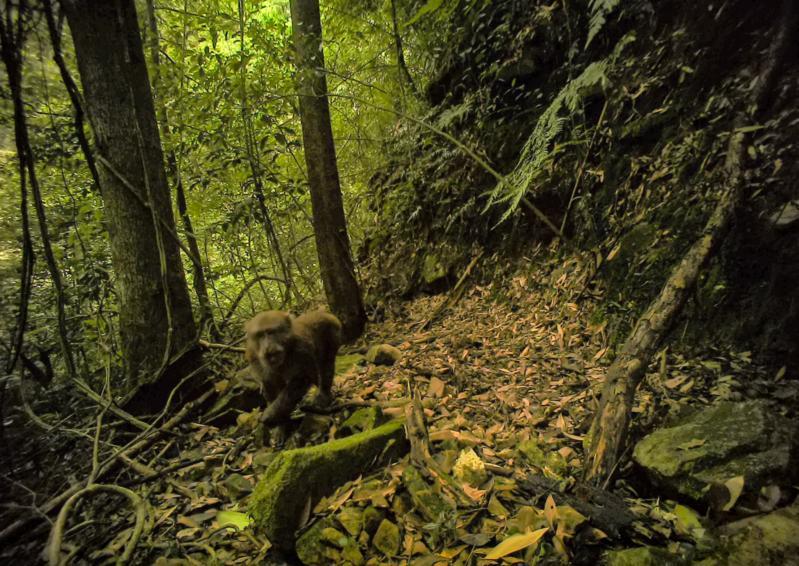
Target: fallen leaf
<point>234,519</point>
<point>436,387</point>
<point>515,543</point>
<point>735,486</point>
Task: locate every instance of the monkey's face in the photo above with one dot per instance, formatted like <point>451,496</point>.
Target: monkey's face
<point>268,337</point>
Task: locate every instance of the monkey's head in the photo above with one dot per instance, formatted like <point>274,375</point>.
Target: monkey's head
<point>269,336</point>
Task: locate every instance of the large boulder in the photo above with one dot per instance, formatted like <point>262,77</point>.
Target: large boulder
<point>719,443</point>
<point>297,479</point>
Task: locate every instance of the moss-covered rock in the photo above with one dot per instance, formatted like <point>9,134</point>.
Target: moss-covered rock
<point>433,269</point>
<point>297,476</point>
<point>765,539</point>
<point>361,420</point>
<point>718,443</point>
<point>383,355</point>
<point>642,556</point>
<point>549,461</point>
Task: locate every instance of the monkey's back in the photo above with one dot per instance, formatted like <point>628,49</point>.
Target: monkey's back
<point>320,328</point>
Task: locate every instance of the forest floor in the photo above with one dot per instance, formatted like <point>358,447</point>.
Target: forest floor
<point>513,365</point>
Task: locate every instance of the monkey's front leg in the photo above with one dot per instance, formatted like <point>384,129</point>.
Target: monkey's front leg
<point>280,409</point>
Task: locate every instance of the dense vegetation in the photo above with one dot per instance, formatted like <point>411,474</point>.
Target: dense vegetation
<point>564,225</point>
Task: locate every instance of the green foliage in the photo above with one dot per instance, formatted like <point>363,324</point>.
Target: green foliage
<point>538,149</point>
<point>600,9</point>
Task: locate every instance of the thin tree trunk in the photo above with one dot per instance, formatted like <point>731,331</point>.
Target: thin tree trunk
<point>255,164</point>
<point>402,67</point>
<point>199,280</point>
<point>156,322</point>
<point>72,90</point>
<point>11,43</point>
<point>608,434</point>
<point>330,225</point>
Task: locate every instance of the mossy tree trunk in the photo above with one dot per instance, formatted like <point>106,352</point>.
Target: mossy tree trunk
<point>155,315</point>
<point>330,225</point>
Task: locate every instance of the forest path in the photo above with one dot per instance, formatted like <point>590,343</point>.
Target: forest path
<point>511,359</point>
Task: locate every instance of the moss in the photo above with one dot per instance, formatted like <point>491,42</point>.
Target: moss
<point>431,504</point>
<point>720,442</point>
<point>345,363</point>
<point>642,556</point>
<point>361,420</point>
<point>297,476</point>
<point>766,539</point>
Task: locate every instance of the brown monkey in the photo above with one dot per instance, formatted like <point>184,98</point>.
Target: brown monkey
<point>288,355</point>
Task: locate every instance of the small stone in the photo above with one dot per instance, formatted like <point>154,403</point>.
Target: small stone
<point>383,355</point>
<point>387,538</point>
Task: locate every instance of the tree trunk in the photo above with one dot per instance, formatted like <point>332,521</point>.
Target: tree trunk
<point>155,315</point>
<point>608,435</point>
<point>330,225</point>
<point>199,281</point>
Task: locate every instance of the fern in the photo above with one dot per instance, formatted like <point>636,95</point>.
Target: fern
<point>600,9</point>
<point>537,149</point>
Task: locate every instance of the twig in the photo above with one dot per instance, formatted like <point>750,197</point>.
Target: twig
<point>213,345</point>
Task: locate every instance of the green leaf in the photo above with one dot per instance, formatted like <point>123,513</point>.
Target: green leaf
<point>235,519</point>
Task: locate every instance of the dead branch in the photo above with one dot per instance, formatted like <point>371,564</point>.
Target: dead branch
<point>608,434</point>
<point>57,533</point>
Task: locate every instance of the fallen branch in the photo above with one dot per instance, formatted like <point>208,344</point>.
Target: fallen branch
<point>214,346</point>
<point>608,434</point>
<point>124,454</point>
<point>57,534</point>
<point>416,431</point>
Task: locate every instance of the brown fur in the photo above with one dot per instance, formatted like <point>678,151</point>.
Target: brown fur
<point>288,355</point>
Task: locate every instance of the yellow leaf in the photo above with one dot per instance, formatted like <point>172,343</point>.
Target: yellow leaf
<point>550,510</point>
<point>735,486</point>
<point>515,543</point>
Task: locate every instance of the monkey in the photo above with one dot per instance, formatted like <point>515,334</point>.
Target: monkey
<point>288,354</point>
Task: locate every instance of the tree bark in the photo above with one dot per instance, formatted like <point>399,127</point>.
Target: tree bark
<point>330,225</point>
<point>402,67</point>
<point>155,316</point>
<point>608,434</point>
<point>198,280</point>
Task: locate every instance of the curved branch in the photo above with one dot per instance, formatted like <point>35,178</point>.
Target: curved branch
<point>243,292</point>
<point>57,534</point>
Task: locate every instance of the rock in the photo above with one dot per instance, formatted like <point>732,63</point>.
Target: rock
<point>430,503</point>
<point>642,556</point>
<point>347,362</point>
<point>765,539</point>
<point>387,538</point>
<point>237,485</point>
<point>361,420</point>
<point>719,443</point>
<point>433,269</point>
<point>297,476</point>
<point>383,355</point>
